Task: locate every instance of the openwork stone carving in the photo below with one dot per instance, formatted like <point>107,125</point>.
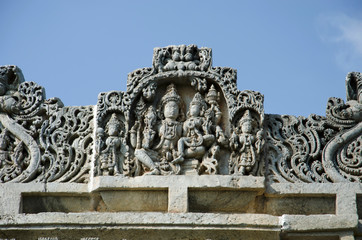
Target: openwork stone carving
<point>342,156</point>
<point>181,116</point>
<point>66,137</point>
<point>318,149</point>
<point>294,146</point>
<point>41,139</point>
<point>181,58</point>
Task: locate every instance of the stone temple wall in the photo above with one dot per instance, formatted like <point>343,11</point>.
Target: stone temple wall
<point>182,154</point>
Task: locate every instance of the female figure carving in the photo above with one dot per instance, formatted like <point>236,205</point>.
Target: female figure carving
<point>195,139</point>
<point>113,155</point>
<point>243,143</point>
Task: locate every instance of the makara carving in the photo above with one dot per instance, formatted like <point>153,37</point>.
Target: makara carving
<point>182,116</point>
<point>319,149</point>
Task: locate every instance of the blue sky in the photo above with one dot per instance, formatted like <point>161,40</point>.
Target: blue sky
<point>296,53</point>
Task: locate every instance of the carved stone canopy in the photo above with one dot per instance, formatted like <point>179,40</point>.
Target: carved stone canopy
<point>182,116</point>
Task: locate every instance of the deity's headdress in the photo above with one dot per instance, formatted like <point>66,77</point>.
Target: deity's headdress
<point>246,117</point>
<point>199,100</point>
<point>212,96</point>
<point>170,95</point>
<point>113,121</point>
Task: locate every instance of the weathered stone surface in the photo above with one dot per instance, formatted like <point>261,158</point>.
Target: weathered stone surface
<point>181,154</point>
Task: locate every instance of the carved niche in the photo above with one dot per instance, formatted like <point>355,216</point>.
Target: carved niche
<point>182,116</point>
<point>178,117</point>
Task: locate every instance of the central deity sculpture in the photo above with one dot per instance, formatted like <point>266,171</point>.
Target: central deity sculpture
<point>162,138</point>
<point>169,131</point>
<point>165,143</point>
<point>196,136</point>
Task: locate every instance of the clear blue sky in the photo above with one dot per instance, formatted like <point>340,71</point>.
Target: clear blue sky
<point>297,53</point>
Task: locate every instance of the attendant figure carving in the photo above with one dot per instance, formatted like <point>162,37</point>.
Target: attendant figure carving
<point>213,116</point>
<point>246,146</point>
<point>112,157</point>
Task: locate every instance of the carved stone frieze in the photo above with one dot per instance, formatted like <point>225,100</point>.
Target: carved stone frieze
<point>41,139</point>
<point>181,116</point>
<point>342,156</point>
<point>318,149</point>
<point>294,146</point>
<point>67,143</point>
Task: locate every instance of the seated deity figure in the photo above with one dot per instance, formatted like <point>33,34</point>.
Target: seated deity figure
<point>116,150</point>
<point>242,142</point>
<point>143,141</point>
<point>196,139</point>
<point>169,130</point>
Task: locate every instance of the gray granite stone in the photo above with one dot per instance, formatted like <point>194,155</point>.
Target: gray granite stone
<point>181,154</point>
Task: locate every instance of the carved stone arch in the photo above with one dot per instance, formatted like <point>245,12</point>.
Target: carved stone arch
<point>111,133</point>
<point>195,80</point>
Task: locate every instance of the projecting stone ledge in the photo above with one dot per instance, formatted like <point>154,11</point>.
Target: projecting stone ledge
<point>181,154</point>
<point>217,207</point>
<point>131,210</point>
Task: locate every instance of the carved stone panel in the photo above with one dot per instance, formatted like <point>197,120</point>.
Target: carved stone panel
<point>182,116</point>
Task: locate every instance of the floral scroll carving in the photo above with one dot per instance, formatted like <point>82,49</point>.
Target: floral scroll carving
<point>41,140</point>
<point>318,149</point>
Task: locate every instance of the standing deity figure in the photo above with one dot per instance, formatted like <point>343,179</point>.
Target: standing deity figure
<point>196,137</point>
<point>244,145</point>
<point>213,116</point>
<point>159,158</point>
<point>112,157</point>
<point>170,129</point>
